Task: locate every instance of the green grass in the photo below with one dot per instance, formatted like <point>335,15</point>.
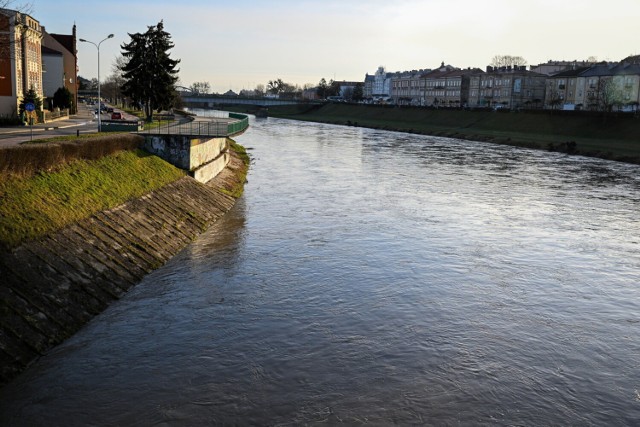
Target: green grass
<point>241,173</point>
<point>612,137</point>
<point>33,206</point>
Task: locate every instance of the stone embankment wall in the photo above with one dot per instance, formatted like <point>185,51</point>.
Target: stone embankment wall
<point>51,287</point>
<point>204,158</point>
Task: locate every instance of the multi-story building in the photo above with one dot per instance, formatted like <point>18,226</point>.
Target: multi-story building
<point>448,86</point>
<point>566,89</point>
<point>507,87</point>
<point>435,85</point>
<point>66,45</point>
<point>626,79</point>
<point>604,86</point>
<point>554,67</point>
<point>377,86</point>
<point>20,59</point>
<point>407,87</point>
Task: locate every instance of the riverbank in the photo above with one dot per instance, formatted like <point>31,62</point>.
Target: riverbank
<point>54,283</point>
<point>613,137</point>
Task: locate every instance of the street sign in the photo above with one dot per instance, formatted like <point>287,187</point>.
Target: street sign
<point>30,106</point>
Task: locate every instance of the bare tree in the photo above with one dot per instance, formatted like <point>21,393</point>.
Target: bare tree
<point>508,61</point>
<point>26,7</point>
<point>6,9</point>
<point>609,95</point>
<point>200,88</point>
<point>112,86</point>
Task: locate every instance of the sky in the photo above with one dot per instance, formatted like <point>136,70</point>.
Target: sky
<point>238,44</point>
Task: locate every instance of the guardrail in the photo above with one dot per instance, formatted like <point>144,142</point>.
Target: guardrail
<point>202,127</point>
<point>122,125</point>
<point>240,126</point>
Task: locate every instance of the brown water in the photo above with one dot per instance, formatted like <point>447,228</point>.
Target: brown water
<point>379,278</point>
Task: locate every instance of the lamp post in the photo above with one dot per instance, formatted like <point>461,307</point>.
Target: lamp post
<point>99,101</point>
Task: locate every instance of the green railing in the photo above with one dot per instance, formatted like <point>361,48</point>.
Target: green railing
<point>239,126</point>
<point>203,128</point>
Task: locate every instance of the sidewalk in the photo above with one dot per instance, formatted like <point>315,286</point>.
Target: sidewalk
<point>15,135</point>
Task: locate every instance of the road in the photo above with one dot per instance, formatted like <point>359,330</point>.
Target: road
<point>83,122</point>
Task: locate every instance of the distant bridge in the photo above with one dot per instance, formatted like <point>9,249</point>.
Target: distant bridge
<point>211,101</point>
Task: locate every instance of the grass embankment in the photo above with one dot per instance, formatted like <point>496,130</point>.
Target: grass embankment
<point>241,173</point>
<point>606,136</point>
<point>43,199</point>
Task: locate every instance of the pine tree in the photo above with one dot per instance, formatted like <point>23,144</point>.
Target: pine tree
<point>30,97</point>
<point>150,74</point>
<point>63,98</point>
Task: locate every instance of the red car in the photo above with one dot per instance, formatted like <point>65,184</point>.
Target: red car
<point>117,116</point>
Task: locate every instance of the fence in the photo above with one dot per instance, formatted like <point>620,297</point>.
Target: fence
<point>122,125</point>
<point>203,127</point>
<point>52,115</point>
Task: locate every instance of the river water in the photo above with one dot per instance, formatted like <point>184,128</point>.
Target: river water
<point>373,277</point>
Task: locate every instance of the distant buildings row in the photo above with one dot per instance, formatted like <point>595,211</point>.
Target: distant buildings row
<point>32,58</point>
<point>555,84</point>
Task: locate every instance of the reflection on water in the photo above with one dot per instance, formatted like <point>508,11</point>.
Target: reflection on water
<point>371,277</point>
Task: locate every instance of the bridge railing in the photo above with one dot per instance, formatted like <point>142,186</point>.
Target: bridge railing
<point>203,128</point>
<point>239,126</point>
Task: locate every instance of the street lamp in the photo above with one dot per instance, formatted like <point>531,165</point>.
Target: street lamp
<point>99,101</point>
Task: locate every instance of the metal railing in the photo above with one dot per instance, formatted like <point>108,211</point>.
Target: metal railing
<point>202,127</point>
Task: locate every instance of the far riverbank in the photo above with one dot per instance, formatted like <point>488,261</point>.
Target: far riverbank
<point>612,137</point>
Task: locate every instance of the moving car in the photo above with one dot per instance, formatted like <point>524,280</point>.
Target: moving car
<point>117,116</point>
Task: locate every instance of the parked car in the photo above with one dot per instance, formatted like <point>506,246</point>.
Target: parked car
<point>117,116</point>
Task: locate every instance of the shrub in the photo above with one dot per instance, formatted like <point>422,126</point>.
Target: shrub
<point>28,159</point>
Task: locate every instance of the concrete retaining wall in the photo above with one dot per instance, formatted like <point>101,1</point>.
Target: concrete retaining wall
<point>203,158</point>
<point>51,287</point>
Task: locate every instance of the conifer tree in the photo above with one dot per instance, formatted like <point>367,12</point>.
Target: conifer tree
<point>30,97</point>
<point>149,72</point>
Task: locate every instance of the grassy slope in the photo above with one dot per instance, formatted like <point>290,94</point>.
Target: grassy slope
<point>610,137</point>
<point>34,206</point>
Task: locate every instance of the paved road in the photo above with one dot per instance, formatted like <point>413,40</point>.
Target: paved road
<point>84,122</point>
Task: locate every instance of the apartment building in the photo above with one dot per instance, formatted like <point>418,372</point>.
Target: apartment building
<point>20,59</point>
<point>448,86</point>
<point>407,87</point>
<point>507,87</point>
<point>552,67</point>
<point>601,87</point>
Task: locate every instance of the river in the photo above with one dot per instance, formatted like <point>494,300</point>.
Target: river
<point>373,277</point>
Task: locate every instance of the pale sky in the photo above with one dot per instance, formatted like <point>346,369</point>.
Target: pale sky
<point>237,44</point>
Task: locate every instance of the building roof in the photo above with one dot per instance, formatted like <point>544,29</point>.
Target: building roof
<point>66,40</point>
<point>48,51</point>
<point>571,73</point>
<point>602,69</point>
<point>626,69</point>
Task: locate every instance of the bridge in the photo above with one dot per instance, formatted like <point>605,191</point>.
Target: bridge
<point>211,101</point>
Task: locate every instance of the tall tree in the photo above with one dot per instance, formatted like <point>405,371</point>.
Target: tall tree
<point>508,61</point>
<point>63,98</point>
<point>321,91</point>
<point>150,74</point>
<point>260,90</point>
<point>358,92</point>
<point>200,88</point>
<point>276,86</point>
